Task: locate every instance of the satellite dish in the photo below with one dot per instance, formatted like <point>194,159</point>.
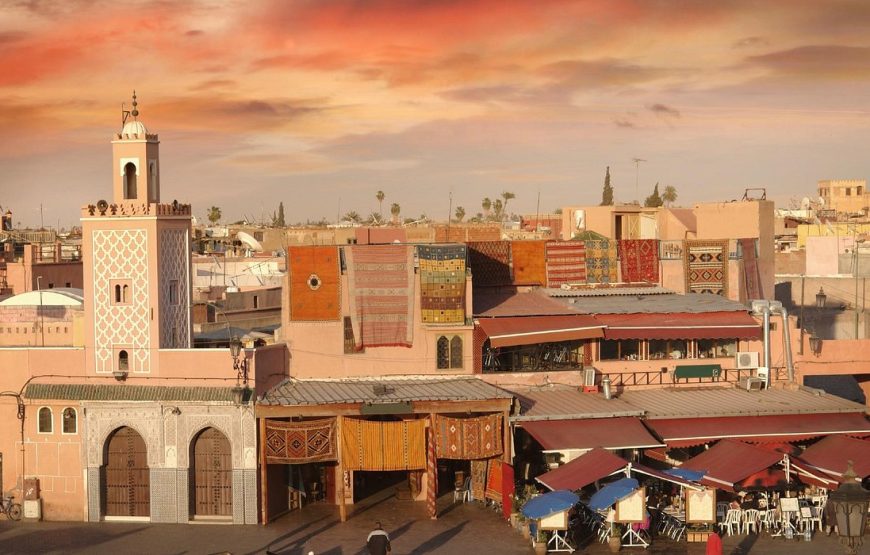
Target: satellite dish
<point>102,206</point>
<point>805,203</point>
<point>821,201</point>
<point>249,241</point>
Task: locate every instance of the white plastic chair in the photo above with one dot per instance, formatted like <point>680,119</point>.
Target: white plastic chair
<point>750,520</point>
<point>732,520</point>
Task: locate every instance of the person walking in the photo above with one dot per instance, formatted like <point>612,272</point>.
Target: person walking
<point>378,541</point>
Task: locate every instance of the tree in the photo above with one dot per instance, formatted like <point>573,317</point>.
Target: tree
<point>506,195</point>
<point>352,216</point>
<point>557,211</point>
<point>654,200</point>
<point>278,219</point>
<point>486,204</point>
<point>395,210</point>
<point>460,213</point>
<point>497,210</point>
<point>670,195</point>
<point>380,196</point>
<point>214,214</point>
<point>607,193</point>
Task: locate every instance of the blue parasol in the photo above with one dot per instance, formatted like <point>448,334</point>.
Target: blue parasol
<point>550,503</point>
<point>686,474</point>
<point>611,493</point>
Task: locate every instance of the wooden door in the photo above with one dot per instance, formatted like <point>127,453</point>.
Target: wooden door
<point>127,480</point>
<point>212,474</point>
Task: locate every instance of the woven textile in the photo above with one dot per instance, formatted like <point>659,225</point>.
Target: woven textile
<point>479,437</point>
<point>490,262</point>
<point>374,445</point>
<point>639,260</point>
<point>381,280</point>
<point>478,479</point>
<point>494,480</point>
<point>507,490</point>
<point>751,276</point>
<point>706,266</point>
<point>315,284</point>
<point>529,259</point>
<point>566,262</point>
<point>300,442</point>
<point>600,261</point>
<point>442,283</point>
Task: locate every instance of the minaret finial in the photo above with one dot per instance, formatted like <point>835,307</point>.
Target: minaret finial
<point>134,112</point>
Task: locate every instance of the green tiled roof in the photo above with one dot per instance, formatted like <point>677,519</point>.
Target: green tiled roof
<point>93,392</point>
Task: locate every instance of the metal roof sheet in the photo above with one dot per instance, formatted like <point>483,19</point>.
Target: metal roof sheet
<point>693,302</point>
<point>613,291</point>
<point>374,391</point>
<point>496,303</point>
<point>96,392</point>
<point>568,403</point>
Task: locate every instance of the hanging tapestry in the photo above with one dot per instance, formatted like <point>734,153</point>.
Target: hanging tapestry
<point>442,283</point>
<point>478,479</point>
<point>300,442</point>
<point>375,445</point>
<point>706,266</point>
<point>490,262</point>
<point>381,281</point>
<point>600,261</point>
<point>529,262</point>
<point>751,276</point>
<point>494,480</point>
<point>507,490</point>
<point>566,262</point>
<point>479,437</point>
<point>639,260</point>
<point>315,283</point>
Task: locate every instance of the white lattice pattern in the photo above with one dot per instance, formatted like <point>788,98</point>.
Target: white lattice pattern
<point>121,254</point>
<point>174,321</point>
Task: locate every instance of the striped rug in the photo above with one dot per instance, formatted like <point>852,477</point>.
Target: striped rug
<point>566,262</point>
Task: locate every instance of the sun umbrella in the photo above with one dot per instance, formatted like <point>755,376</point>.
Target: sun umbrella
<point>686,474</point>
<point>550,503</point>
<point>611,493</point>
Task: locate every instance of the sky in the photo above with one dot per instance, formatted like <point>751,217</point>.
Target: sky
<point>319,104</point>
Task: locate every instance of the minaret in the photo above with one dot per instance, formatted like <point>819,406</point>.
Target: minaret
<point>136,157</point>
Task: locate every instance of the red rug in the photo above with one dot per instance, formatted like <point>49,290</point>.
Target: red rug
<point>566,262</point>
<point>300,442</point>
<point>494,477</point>
<point>751,276</point>
<point>639,260</point>
<point>478,437</point>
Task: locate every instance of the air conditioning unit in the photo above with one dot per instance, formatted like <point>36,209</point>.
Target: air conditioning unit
<point>746,360</point>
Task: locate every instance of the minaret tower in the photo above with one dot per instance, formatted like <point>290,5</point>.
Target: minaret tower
<point>136,261</point>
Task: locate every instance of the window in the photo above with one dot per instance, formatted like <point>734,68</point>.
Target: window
<point>443,353</point>
<point>50,285</point>
<point>448,352</point>
<point>859,190</point>
<point>668,348</point>
<point>717,348</point>
<point>70,421</point>
<point>68,284</point>
<point>120,291</point>
<point>456,352</point>
<point>123,361</point>
<point>848,191</point>
<point>130,181</point>
<point>117,293</point>
<point>45,421</point>
<point>619,349</point>
<point>173,292</point>
<point>256,301</point>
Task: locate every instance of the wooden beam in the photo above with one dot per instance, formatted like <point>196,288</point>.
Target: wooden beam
<point>506,443</point>
<point>342,508</point>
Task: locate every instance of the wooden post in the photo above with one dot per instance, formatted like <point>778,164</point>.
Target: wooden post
<point>264,483</point>
<point>431,471</point>
<point>342,508</point>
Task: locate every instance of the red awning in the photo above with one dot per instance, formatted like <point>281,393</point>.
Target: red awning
<point>809,475</point>
<point>680,325</point>
<point>584,470</point>
<point>610,433</point>
<point>529,330</point>
<point>729,461</point>
<point>685,432</point>
<point>649,471</point>
<point>832,454</point>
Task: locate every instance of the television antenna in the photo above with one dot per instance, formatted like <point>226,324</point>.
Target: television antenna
<point>637,162</point>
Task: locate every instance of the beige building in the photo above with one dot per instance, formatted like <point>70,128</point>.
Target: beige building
<point>845,195</point>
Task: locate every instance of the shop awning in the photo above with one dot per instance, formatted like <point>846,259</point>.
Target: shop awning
<point>831,455</point>
<point>729,461</point>
<point>809,475</point>
<point>643,469</point>
<point>685,432</point>
<point>680,325</point>
<point>584,470</point>
<point>529,330</point>
<point>609,433</point>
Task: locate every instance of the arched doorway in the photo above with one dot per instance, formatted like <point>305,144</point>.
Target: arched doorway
<point>211,474</point>
<point>127,484</point>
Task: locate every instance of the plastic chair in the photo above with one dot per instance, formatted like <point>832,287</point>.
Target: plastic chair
<point>750,520</point>
<point>316,492</point>
<point>732,520</point>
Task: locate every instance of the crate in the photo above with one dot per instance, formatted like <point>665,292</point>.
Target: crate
<point>698,536</point>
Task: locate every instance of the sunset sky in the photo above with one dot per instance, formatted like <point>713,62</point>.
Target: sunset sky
<point>319,104</point>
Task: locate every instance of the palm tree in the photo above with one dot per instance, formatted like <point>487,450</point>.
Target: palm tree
<point>352,216</point>
<point>214,214</point>
<point>669,195</point>
<point>486,205</point>
<point>507,195</point>
<point>460,213</point>
<point>497,209</point>
<point>380,196</point>
<point>395,209</point>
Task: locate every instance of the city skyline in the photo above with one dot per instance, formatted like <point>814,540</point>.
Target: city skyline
<point>260,104</point>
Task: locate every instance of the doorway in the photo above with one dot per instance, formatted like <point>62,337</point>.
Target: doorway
<point>127,482</point>
<point>212,475</point>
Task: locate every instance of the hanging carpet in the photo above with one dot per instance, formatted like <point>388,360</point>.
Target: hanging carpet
<point>529,262</point>
<point>478,437</point>
<point>300,442</point>
<point>478,479</point>
<point>639,260</point>
<point>751,276</point>
<point>375,445</point>
<point>442,283</point>
<point>705,264</point>
<point>490,262</point>
<point>315,283</point>
<point>494,480</point>
<point>566,262</point>
<point>381,280</point>
<point>601,261</point>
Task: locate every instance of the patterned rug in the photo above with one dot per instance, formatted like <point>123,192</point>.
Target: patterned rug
<point>601,261</point>
<point>507,490</point>
<point>315,283</point>
<point>639,260</point>
<point>381,281</point>
<point>478,479</point>
<point>494,480</point>
<point>751,276</point>
<point>490,262</point>
<point>705,263</point>
<point>442,283</point>
<point>374,445</point>
<point>300,442</point>
<point>529,258</point>
<point>468,438</point>
<point>566,262</point>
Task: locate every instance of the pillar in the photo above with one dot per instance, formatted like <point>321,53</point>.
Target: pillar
<point>431,471</point>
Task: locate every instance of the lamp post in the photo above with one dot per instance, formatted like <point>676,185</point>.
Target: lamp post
<point>41,317</point>
<point>241,389</point>
<point>849,503</point>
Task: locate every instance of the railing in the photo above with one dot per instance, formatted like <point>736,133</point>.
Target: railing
<point>646,378</point>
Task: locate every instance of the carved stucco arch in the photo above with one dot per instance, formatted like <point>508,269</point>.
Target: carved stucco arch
<point>100,441</point>
<point>197,426</point>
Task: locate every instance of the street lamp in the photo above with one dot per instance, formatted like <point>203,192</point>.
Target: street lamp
<point>821,298</point>
<point>849,503</point>
<point>815,344</point>
<point>241,389</point>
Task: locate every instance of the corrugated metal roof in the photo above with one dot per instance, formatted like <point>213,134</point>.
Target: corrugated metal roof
<point>615,291</point>
<point>94,392</point>
<point>569,403</point>
<point>733,401</point>
<point>321,392</point>
<point>693,302</point>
